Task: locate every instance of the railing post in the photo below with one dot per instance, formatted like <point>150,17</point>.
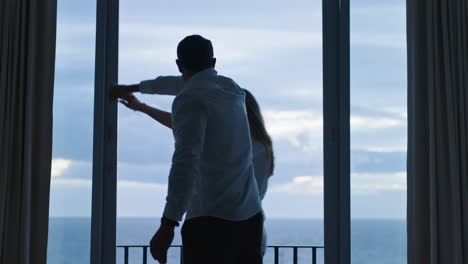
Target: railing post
<point>314,255</point>
<point>276,255</point>
<point>181,254</point>
<point>295,255</point>
<point>276,249</point>
<point>126,255</point>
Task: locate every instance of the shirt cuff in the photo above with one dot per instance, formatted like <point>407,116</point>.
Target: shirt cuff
<point>167,221</point>
<point>172,213</point>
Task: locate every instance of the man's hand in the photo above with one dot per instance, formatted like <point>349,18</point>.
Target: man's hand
<point>121,91</point>
<point>161,242</point>
<point>133,103</point>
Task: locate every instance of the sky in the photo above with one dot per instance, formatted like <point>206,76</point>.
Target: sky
<point>272,48</point>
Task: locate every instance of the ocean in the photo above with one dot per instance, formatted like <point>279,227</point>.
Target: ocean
<point>373,241</point>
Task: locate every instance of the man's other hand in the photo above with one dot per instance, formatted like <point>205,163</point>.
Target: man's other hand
<point>161,242</point>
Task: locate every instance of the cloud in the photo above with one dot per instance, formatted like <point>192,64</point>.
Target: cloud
<point>70,182</point>
<point>241,49</point>
<point>387,33</point>
<point>124,184</point>
<point>375,183</point>
<point>380,40</point>
<point>378,129</point>
<point>59,166</point>
<point>75,45</point>
<point>304,128</point>
<point>147,199</point>
<point>300,185</point>
<point>368,122</point>
<point>387,149</point>
<point>157,44</point>
<point>361,184</point>
<point>248,50</point>
<point>376,187</point>
<point>366,161</point>
<point>121,184</point>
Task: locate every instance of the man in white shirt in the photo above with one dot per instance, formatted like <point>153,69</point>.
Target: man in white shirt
<point>212,176</point>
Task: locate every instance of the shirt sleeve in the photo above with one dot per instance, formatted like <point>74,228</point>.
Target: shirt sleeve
<point>189,125</point>
<point>165,85</point>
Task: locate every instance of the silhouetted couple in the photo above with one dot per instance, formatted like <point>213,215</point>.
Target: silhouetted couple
<point>221,164</point>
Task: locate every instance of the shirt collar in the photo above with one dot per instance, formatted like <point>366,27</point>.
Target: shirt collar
<point>210,72</point>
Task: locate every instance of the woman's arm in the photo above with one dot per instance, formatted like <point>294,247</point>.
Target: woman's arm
<point>161,116</point>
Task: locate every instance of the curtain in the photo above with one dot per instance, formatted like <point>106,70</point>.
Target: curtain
<point>27,57</point>
<point>437,32</point>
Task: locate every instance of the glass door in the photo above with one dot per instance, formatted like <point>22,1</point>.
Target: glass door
<point>273,49</point>
<point>378,131</point>
<point>72,157</point>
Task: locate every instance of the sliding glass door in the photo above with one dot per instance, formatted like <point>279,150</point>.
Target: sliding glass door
<point>70,193</point>
<point>271,48</point>
<point>275,50</point>
<point>378,131</point>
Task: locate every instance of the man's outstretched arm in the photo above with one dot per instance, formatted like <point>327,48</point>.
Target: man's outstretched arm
<point>164,85</point>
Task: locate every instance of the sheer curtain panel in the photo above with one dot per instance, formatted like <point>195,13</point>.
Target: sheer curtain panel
<point>27,56</point>
<point>437,137</point>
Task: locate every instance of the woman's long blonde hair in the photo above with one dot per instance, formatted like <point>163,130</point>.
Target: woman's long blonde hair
<point>258,131</point>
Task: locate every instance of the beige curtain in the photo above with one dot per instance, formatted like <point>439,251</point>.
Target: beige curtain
<point>27,56</point>
<point>438,131</point>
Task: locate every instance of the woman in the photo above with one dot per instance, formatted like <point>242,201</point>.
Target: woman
<point>262,147</point>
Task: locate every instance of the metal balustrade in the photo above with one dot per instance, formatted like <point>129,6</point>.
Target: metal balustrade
<point>276,250</point>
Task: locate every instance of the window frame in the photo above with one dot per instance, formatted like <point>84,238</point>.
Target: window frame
<point>336,133</point>
<point>104,185</point>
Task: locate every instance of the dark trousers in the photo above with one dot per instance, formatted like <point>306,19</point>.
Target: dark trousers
<point>210,240</point>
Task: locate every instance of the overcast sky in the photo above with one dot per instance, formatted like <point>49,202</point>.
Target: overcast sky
<point>274,49</point>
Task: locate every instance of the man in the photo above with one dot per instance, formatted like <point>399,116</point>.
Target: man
<point>212,177</point>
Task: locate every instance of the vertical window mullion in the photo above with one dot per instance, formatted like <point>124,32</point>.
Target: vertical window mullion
<point>336,119</point>
<point>104,190</point>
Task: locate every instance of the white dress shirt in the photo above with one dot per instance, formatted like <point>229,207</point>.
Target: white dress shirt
<point>212,172</point>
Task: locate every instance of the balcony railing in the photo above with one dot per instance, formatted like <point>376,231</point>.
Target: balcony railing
<point>276,250</point>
